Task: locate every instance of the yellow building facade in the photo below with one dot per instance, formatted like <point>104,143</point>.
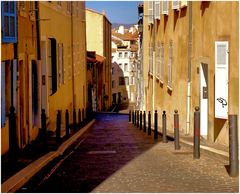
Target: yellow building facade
<point>63,58</point>
<point>191,59</point>
<point>98,30</point>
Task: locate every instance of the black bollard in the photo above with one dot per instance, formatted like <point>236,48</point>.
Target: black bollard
<point>164,127</point>
<point>176,130</point>
<point>196,147</point>
<point>79,118</point>
<point>149,123</point>
<point>83,115</point>
<point>67,123</point>
<point>132,116</point>
<point>140,120</point>
<point>74,120</point>
<point>155,125</point>
<point>13,146</point>
<point>44,127</point>
<point>233,146</point>
<point>135,118</point>
<point>144,122</point>
<point>129,115</point>
<point>58,130</point>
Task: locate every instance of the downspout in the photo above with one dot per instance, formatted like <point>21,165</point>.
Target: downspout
<point>154,69</point>
<point>39,67</point>
<point>73,81</point>
<point>189,67</point>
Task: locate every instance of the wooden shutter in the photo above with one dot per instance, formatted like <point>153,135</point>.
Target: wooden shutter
<point>221,79</point>
<point>175,4</point>
<point>157,9</point>
<point>14,82</point>
<point>162,63</point>
<point>3,95</point>
<point>54,65</point>
<point>165,7</point>
<point>150,12</point>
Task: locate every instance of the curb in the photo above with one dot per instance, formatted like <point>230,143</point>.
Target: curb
<point>20,178</point>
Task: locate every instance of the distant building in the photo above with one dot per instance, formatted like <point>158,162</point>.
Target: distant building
<point>124,65</point>
<point>98,30</point>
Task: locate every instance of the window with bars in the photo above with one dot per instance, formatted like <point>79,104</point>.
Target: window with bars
<point>157,9</point>
<point>150,57</point>
<point>162,62</point>
<point>158,59</point>
<point>170,64</point>
<point>164,7</point>
<point>150,12</point>
<point>9,22</point>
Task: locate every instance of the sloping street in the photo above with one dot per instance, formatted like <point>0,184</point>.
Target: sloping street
<point>115,156</point>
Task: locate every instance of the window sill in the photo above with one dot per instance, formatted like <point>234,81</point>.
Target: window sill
<point>157,78</point>
<point>150,74</point>
<point>161,81</point>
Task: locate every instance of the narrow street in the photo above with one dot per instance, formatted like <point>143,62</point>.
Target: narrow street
<point>115,156</point>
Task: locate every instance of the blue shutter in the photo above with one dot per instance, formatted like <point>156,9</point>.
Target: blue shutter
<point>3,95</point>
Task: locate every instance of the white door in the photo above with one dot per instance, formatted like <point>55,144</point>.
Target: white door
<point>203,100</point>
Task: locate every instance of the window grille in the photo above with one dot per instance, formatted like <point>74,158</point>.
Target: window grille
<point>164,7</point>
<point>175,4</point>
<point>150,12</point>
<point>170,65</point>
<point>162,63</point>
<point>157,9</point>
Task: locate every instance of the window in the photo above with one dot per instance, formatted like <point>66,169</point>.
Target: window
<point>175,4</point>
<point>150,56</point>
<point>9,22</point>
<point>52,65</point>
<point>162,63</point>
<point>112,70</point>
<point>150,12</point>
<point>22,5</point>
<point>164,7</point>
<point>170,65</point>
<point>113,84</point>
<point>158,59</point>
<point>125,67</point>
<point>157,9</point>
<point>60,64</point>
<point>126,80</point>
<point>59,3</point>
<point>121,81</point>
<point>69,8</point>
<point>184,3</point>
<point>125,55</point>
<point>120,54</point>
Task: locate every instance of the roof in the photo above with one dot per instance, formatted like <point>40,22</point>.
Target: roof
<point>92,57</point>
<point>126,36</point>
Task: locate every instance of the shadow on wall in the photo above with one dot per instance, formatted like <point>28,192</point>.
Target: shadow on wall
<point>120,98</point>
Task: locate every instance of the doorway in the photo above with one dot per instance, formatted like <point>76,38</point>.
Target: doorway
<point>204,100</point>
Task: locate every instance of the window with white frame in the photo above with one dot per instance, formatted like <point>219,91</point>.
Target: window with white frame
<point>162,63</point>
<point>157,9</point>
<point>125,55</point>
<point>158,59</point>
<point>165,7</point>
<point>150,57</point>
<point>170,64</point>
<point>150,12</point>
<point>120,54</point>
<point>125,67</point>
<point>175,5</point>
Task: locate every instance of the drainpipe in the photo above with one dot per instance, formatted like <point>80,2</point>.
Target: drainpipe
<point>154,69</point>
<point>73,81</point>
<point>189,67</point>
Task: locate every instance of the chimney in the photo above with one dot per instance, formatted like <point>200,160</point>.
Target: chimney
<point>104,12</point>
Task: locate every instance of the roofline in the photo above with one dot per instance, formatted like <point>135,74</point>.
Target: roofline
<point>88,9</point>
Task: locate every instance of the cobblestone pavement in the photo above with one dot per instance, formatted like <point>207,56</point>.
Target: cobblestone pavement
<point>115,156</point>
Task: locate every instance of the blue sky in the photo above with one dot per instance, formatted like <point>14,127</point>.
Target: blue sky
<point>117,11</point>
